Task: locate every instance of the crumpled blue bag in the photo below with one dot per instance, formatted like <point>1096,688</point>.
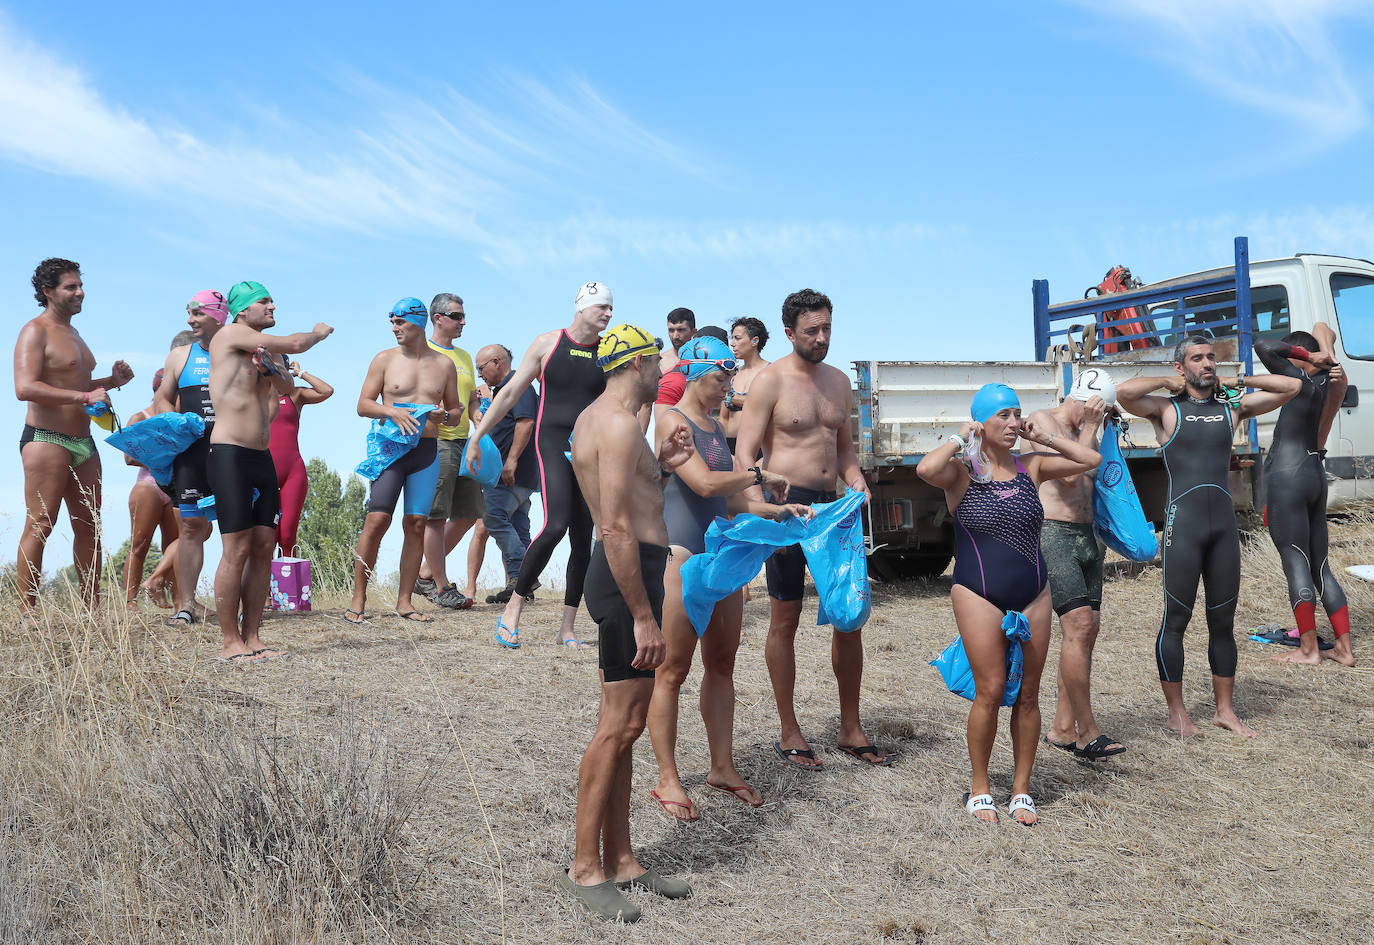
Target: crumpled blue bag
<point>386,442</point>
<point>958,675</point>
<point>1118,518</point>
<point>158,440</point>
<point>490,472</point>
<point>736,549</point>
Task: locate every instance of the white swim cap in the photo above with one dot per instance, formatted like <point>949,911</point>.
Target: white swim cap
<point>1094,381</point>
<point>592,293</point>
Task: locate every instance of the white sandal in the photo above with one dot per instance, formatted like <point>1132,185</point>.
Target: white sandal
<point>977,803</point>
<point>1022,802</point>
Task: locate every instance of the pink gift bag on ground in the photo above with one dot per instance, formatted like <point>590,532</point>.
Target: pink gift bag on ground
<point>291,584</point>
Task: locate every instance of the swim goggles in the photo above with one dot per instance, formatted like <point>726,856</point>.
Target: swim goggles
<point>622,350</point>
<point>728,365</point>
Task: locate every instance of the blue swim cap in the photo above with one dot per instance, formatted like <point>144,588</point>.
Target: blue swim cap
<point>702,350</point>
<point>990,399</point>
<point>412,310</point>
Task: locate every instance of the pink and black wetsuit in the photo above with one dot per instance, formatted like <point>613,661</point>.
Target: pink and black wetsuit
<point>291,477</point>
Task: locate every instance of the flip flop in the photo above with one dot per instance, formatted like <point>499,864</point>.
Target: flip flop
<point>787,754</point>
<point>1069,746</point>
<point>247,657</point>
<point>859,751</point>
<point>276,654</point>
<point>668,805</point>
<point>507,637</point>
<point>414,616</point>
<point>741,792</point>
<point>1098,748</point>
<point>576,644</point>
<point>356,617</point>
<point>1022,802</point>
<point>182,618</point>
<point>977,803</point>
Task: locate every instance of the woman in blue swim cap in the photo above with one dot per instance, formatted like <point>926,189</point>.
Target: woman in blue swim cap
<point>998,570</point>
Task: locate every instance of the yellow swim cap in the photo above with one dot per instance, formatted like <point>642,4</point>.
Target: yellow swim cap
<point>623,342</point>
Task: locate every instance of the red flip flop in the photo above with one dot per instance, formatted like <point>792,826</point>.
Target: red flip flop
<point>669,805</point>
<point>741,792</point>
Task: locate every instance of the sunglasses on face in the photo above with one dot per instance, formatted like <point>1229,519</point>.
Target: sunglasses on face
<point>455,316</point>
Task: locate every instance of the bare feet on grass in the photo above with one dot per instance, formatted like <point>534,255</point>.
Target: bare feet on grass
<point>1180,724</point>
<point>1341,652</point>
<point>1230,722</point>
<point>1301,657</point>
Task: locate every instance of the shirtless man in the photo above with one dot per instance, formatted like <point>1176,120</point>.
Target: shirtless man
<point>797,415</point>
<point>1074,561</point>
<point>682,325</point>
<point>410,373</point>
<point>247,376</point>
<point>1200,537</point>
<point>564,361</point>
<point>52,372</point>
<point>747,338</point>
<point>623,485</point>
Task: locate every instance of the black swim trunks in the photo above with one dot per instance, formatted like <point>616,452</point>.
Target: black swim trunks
<point>786,569</point>
<point>244,482</point>
<point>616,647</point>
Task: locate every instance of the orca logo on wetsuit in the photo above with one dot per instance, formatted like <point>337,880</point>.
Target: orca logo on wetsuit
<point>1195,418</point>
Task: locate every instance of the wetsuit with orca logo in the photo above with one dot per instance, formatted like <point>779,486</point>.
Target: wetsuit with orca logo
<point>1295,495</point>
<point>1200,536</point>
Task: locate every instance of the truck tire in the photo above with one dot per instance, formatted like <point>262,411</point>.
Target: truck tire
<point>892,567</point>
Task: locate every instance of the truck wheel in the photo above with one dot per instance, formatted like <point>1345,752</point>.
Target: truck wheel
<point>891,567</point>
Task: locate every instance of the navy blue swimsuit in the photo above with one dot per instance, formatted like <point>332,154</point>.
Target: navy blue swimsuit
<point>997,535</point>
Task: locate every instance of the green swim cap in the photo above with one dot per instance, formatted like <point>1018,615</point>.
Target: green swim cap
<point>244,294</point>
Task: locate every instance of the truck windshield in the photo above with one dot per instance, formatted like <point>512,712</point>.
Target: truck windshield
<point>1353,297</point>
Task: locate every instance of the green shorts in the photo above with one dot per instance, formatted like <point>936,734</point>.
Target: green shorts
<point>455,497</point>
<point>1074,561</point>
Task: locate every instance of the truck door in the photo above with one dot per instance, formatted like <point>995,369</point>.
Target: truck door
<point>1352,435</point>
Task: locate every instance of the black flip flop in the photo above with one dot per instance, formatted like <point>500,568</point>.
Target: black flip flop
<point>181,618</point>
<point>1068,746</point>
<point>859,751</point>
<point>1097,749</point>
<point>787,754</point>
<point>361,615</point>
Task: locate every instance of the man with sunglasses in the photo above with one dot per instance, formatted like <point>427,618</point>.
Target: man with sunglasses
<point>458,499</point>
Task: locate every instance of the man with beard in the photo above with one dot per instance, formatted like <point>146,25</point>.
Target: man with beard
<point>52,373</point>
<point>1195,429</point>
<point>247,373</point>
<point>797,415</point>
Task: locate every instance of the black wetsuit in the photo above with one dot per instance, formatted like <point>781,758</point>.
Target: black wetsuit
<point>1200,536</point>
<point>569,382</point>
<point>1295,490</point>
<point>190,469</point>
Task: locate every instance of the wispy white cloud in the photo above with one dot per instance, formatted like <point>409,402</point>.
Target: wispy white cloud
<point>1278,56</point>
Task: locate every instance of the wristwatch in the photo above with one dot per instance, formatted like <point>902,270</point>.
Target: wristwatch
<point>758,475</point>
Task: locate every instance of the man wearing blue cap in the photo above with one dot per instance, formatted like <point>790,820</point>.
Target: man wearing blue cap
<point>408,375</point>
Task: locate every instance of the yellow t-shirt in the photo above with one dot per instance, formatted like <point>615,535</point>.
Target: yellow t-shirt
<point>467,380</point>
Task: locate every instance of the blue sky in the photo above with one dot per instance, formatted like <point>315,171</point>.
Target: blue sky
<point>919,163</point>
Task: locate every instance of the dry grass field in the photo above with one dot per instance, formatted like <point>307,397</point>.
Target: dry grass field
<point>403,783</point>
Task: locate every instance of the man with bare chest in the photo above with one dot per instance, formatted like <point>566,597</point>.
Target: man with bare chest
<point>797,415</point>
<point>247,375</point>
<point>1073,559</point>
<point>52,372</point>
<point>623,485</point>
<point>412,373</point>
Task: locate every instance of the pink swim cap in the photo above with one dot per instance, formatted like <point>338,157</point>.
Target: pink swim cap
<point>210,302</point>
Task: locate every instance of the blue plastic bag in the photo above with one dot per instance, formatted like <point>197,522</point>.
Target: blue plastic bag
<point>158,440</point>
<point>490,472</point>
<point>958,675</point>
<point>1118,518</point>
<point>386,442</point>
<point>736,549</point>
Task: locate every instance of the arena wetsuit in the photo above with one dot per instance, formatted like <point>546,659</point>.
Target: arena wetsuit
<point>1200,536</point>
<point>568,382</point>
<point>291,475</point>
<point>997,541</point>
<point>1295,495</point>
<point>687,514</point>
<point>190,473</point>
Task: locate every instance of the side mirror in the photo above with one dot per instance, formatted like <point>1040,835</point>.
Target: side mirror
<point>1352,397</point>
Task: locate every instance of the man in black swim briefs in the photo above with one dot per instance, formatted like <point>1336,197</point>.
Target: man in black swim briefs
<point>52,373</point>
<point>564,362</point>
<point>1195,430</point>
<point>623,485</point>
<point>247,376</point>
<point>797,416</point>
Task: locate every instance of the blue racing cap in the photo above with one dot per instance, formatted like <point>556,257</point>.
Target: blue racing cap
<point>990,399</point>
<point>412,310</point>
<point>700,356</point>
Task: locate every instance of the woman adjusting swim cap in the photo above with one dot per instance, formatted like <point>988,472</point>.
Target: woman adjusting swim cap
<point>244,294</point>
<point>621,343</point>
<point>412,310</point>
<point>992,398</point>
<point>592,293</point>
<point>701,356</point>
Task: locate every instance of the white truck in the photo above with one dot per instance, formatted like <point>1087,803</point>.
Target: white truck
<point>906,408</point>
